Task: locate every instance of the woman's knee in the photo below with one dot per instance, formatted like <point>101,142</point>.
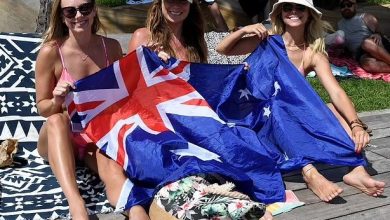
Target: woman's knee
<point>42,145</point>
<point>57,121</point>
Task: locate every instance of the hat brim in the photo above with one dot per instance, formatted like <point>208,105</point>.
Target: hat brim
<point>276,5</point>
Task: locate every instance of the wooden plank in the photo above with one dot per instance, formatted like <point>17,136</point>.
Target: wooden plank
<point>380,213</point>
<point>343,207</point>
<point>380,133</point>
<point>308,197</point>
<point>375,167</point>
<point>376,112</point>
<point>381,142</point>
<point>385,152</point>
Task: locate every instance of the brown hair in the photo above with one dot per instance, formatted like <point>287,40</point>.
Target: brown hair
<point>193,31</point>
<point>58,29</point>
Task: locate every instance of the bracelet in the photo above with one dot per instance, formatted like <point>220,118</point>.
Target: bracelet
<point>357,125</point>
<point>358,122</point>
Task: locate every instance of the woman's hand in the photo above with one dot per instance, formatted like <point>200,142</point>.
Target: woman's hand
<point>256,29</point>
<point>360,137</point>
<point>61,90</point>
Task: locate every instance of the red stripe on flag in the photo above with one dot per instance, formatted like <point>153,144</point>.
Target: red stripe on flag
<point>87,106</point>
<point>197,102</point>
<point>120,158</point>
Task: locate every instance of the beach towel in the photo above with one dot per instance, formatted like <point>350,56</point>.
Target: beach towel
<point>28,188</point>
<point>357,70</point>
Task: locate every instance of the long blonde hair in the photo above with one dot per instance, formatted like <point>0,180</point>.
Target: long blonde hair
<point>58,29</point>
<point>193,31</point>
<point>315,29</point>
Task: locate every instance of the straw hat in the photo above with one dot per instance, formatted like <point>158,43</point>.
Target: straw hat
<point>307,3</point>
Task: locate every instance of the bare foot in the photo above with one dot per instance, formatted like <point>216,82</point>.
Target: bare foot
<point>360,179</point>
<point>267,216</point>
<point>323,188</point>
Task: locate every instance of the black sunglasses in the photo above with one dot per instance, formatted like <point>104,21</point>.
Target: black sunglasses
<point>346,5</point>
<point>288,7</point>
<point>85,9</point>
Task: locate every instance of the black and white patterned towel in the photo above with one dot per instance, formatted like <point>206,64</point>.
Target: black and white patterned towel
<point>28,189</point>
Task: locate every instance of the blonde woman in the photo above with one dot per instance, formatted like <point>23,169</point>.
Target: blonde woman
<point>72,50</point>
<point>300,25</point>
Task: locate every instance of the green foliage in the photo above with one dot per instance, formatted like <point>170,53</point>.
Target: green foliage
<point>367,95</point>
<point>378,2</point>
<point>110,3</point>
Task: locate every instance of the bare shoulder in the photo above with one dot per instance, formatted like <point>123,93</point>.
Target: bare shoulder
<point>370,19</point>
<point>48,55</point>
<point>114,48</point>
<point>111,42</point>
<point>139,37</point>
<point>141,33</point>
<point>48,49</point>
<point>319,57</point>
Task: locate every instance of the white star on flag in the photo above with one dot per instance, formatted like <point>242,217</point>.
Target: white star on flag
<point>267,111</point>
<point>277,88</point>
<point>244,93</point>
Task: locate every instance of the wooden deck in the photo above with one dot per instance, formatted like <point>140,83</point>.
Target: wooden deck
<point>352,204</point>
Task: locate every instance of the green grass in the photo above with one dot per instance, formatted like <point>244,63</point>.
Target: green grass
<point>110,3</point>
<point>367,95</point>
<point>378,2</point>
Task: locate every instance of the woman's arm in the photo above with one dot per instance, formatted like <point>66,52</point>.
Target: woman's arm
<point>48,95</point>
<point>139,37</point>
<point>339,99</point>
<point>238,43</point>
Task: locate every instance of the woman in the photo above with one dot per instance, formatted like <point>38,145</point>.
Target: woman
<point>175,28</point>
<point>301,27</point>
<point>72,50</point>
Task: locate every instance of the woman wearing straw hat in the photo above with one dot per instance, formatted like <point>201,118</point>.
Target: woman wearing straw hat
<point>300,25</point>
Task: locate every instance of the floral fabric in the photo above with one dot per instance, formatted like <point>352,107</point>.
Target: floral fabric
<point>190,198</point>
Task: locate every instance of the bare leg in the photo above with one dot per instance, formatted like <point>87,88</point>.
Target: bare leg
<point>267,216</point>
<point>376,51</point>
<point>323,188</point>
<point>112,174</point>
<point>62,160</point>
<point>138,213</point>
<point>371,64</point>
<point>360,179</point>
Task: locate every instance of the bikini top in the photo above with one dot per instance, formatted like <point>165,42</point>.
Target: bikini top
<point>65,75</point>
<point>301,68</point>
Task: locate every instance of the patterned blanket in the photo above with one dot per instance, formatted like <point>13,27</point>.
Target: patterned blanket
<point>357,70</point>
<point>28,189</point>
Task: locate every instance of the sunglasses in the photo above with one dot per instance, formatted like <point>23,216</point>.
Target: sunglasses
<point>288,7</point>
<point>85,9</point>
<point>346,5</point>
<point>182,2</point>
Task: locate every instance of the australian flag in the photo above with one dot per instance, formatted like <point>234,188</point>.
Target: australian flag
<point>165,121</point>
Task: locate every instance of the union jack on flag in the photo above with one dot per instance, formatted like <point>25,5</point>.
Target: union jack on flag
<point>145,115</point>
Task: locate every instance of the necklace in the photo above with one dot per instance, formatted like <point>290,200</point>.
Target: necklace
<point>295,46</point>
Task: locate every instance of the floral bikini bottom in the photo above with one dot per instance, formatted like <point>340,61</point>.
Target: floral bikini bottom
<point>195,197</point>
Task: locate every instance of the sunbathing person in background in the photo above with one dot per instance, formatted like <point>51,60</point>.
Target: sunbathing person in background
<point>363,38</point>
<point>300,25</point>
